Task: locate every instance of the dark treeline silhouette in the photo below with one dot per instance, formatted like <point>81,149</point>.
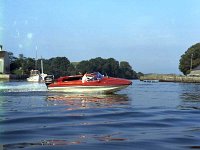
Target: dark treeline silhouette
<point>61,66</point>
<point>190,59</point>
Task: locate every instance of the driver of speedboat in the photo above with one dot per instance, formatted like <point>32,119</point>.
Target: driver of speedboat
<point>86,78</point>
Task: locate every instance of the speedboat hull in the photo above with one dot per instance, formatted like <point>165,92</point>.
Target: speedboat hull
<point>90,83</point>
<point>88,89</point>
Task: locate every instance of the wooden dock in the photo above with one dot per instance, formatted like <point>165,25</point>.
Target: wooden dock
<point>170,78</point>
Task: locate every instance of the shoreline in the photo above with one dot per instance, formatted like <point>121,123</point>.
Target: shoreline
<point>170,78</point>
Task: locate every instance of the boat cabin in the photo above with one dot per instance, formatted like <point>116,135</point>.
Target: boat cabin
<point>34,73</point>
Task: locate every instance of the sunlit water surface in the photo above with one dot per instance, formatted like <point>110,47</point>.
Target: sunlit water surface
<point>143,116</point>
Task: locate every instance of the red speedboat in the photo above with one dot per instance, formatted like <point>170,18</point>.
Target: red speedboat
<point>93,82</point>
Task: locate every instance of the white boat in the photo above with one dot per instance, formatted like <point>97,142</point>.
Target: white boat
<point>35,75</point>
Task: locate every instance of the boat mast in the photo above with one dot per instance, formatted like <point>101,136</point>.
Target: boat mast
<point>36,61</point>
<point>41,65</point>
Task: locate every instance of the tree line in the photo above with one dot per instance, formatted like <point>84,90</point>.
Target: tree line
<point>61,66</point>
<point>190,59</point>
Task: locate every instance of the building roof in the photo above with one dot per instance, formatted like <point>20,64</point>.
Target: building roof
<point>2,53</point>
<point>197,68</point>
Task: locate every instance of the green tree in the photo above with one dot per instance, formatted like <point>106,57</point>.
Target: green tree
<point>84,66</point>
<point>111,67</point>
<point>126,71</point>
<point>11,57</point>
<point>193,53</point>
<point>27,65</point>
<point>57,66</point>
<point>61,66</point>
<point>21,65</point>
<point>139,74</point>
<point>71,70</point>
<point>97,64</point>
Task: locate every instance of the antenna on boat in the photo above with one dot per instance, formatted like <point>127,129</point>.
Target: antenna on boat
<point>36,59</point>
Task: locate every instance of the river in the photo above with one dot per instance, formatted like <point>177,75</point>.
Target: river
<point>143,116</point>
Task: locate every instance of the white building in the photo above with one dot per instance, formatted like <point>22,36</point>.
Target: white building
<point>4,62</point>
<point>195,72</point>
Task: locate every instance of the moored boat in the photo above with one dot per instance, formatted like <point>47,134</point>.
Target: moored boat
<point>34,76</point>
<point>93,82</point>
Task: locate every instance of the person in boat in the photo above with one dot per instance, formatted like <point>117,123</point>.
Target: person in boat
<point>87,77</point>
<point>97,76</point>
<point>84,78</point>
<point>92,77</point>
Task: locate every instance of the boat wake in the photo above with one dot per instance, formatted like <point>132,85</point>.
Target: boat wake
<point>21,87</point>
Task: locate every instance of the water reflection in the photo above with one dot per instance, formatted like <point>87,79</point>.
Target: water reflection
<point>82,101</point>
<point>2,101</point>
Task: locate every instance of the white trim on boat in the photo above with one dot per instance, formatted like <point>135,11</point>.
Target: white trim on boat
<point>96,89</point>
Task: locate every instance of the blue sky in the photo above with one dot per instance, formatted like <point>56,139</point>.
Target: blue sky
<point>150,34</point>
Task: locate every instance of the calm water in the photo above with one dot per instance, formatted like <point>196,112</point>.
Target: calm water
<point>143,116</point>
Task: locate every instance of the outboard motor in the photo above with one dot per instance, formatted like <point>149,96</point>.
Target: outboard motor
<point>49,79</point>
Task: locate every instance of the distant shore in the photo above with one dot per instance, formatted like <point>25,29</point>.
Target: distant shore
<point>170,78</point>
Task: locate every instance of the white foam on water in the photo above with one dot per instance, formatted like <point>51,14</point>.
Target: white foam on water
<point>22,87</point>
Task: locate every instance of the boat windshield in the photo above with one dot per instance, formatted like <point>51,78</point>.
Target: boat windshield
<point>98,76</point>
